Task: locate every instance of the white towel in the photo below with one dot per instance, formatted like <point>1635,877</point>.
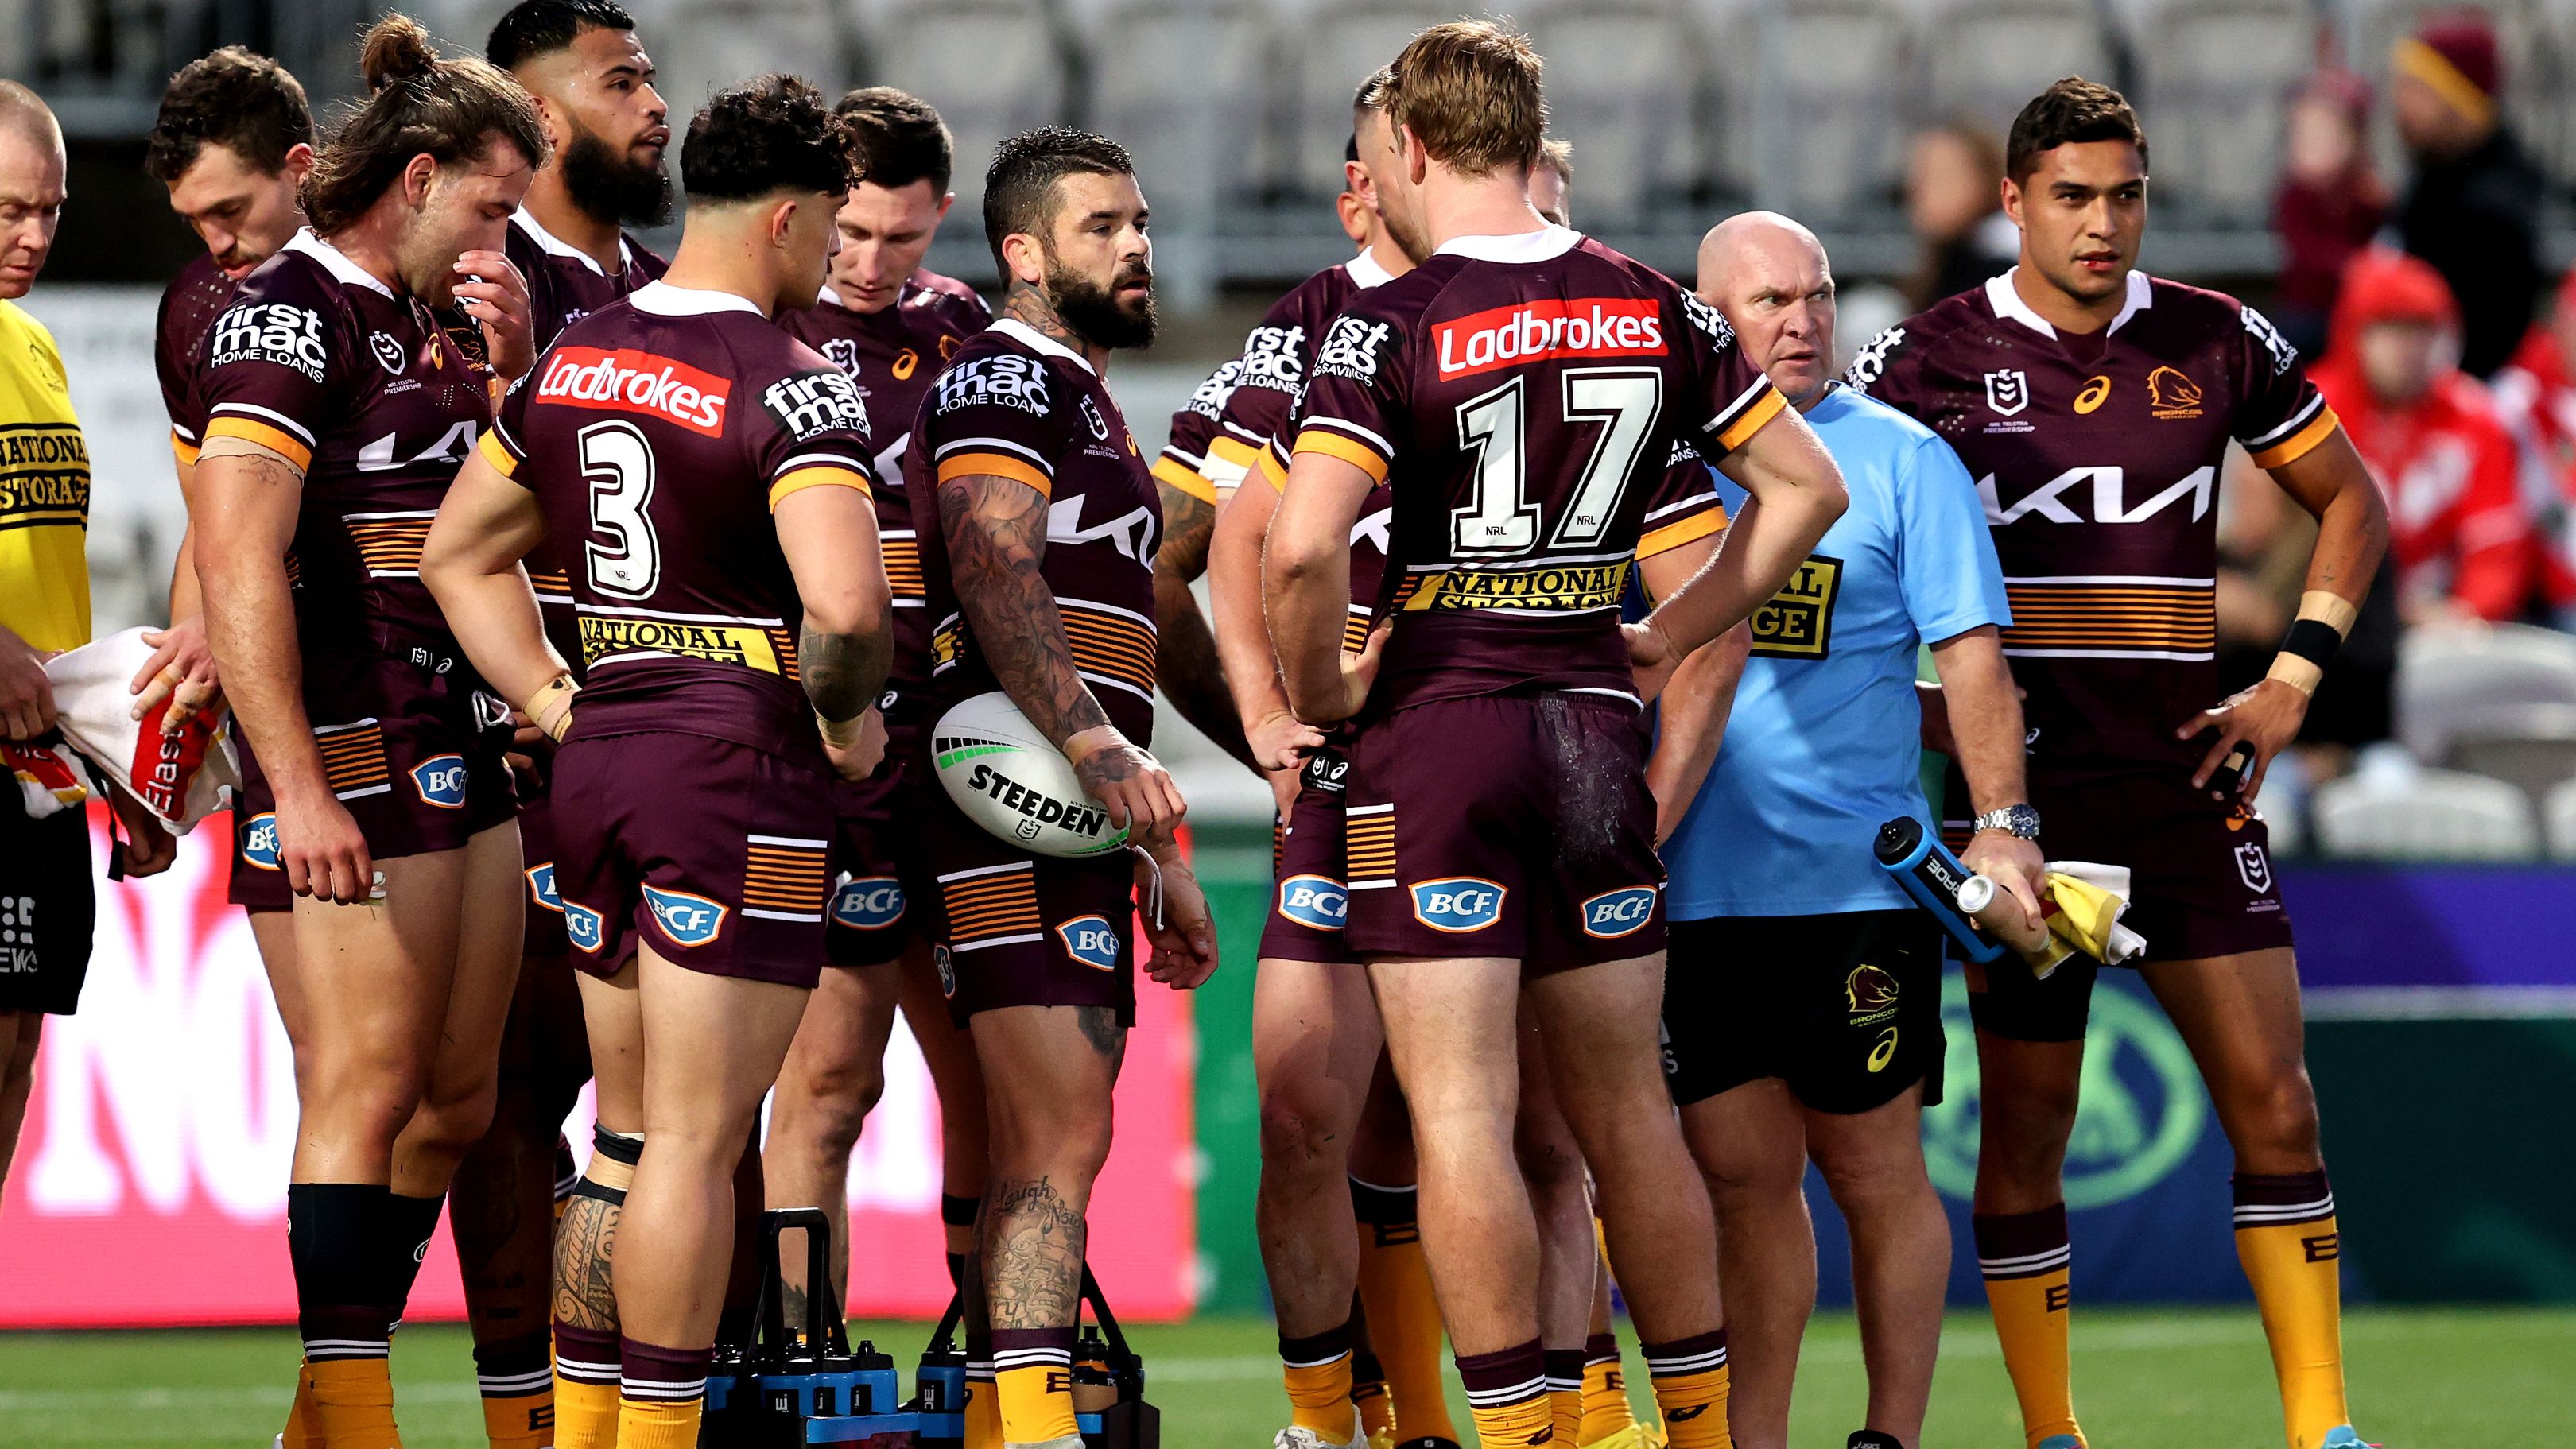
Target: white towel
<point>180,778</point>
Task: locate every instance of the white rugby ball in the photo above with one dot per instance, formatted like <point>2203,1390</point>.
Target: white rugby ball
<point>1008,779</point>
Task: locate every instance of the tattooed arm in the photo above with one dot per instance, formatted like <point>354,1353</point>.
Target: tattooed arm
<point>1186,663</point>
<point>995,531</point>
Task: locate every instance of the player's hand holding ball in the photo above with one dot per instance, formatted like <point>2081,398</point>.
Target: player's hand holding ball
<point>2264,719</point>
<point>321,848</point>
<point>1128,782</point>
<point>1184,935</point>
<point>855,746</point>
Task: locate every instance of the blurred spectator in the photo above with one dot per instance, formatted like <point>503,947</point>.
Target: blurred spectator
<point>2536,394</point>
<point>2264,541</point>
<point>2329,203</point>
<point>1954,179</point>
<point>2434,438</point>
<point>2473,207</point>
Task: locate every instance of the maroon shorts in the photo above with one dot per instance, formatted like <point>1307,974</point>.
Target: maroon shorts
<point>1309,904</point>
<point>258,880</point>
<point>1504,825</point>
<point>412,746</point>
<point>543,935</point>
<point>879,868</point>
<point>715,852</point>
<point>1016,929</point>
<point>2201,876</point>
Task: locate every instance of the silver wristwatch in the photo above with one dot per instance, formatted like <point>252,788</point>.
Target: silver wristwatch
<point>2015,820</point>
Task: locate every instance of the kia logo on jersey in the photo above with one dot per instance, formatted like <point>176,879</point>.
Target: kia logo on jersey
<point>1537,331</point>
<point>629,381</point>
<point>1091,941</point>
<point>440,780</point>
<point>689,920</point>
<point>868,903</point>
<point>1623,912</point>
<point>541,886</point>
<point>582,926</point>
<point>259,841</point>
<point>1314,901</point>
<point>1459,904</point>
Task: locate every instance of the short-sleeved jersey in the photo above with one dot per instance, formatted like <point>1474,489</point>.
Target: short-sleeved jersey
<point>1018,404</point>
<point>1521,396</point>
<point>44,491</point>
<point>893,355</point>
<point>317,361</point>
<point>189,306</point>
<point>2097,458</point>
<point>658,434</point>
<point>565,284</point>
<point>1218,436</point>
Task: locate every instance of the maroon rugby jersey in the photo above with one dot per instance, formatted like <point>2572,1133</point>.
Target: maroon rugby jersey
<point>658,434</point>
<point>323,364</point>
<point>189,306</point>
<point>1522,396</point>
<point>1017,404</point>
<point>565,285</point>
<point>2098,459</point>
<point>1218,436</point>
<point>893,355</point>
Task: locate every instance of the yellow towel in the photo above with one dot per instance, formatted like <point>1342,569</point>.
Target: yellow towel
<point>2083,905</point>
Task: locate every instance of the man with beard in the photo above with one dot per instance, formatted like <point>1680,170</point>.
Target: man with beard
<point>1038,540</point>
<point>593,86</point>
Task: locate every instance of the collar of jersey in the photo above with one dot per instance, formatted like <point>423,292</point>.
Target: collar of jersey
<point>664,300</point>
<point>335,261</point>
<point>1544,244</point>
<point>1036,341</point>
<point>2008,303</point>
<point>555,246</point>
<point>1367,271</point>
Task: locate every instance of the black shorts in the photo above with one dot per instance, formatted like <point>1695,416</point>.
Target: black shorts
<point>1845,1008</point>
<point>48,905</point>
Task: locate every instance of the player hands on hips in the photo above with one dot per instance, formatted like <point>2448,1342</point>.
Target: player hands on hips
<point>1038,541</point>
<point>1802,1007</point>
<point>1516,488</point>
<point>2095,404</point>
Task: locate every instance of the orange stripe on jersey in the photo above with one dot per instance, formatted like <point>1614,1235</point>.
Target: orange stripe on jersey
<point>2296,446</point>
<point>497,453</point>
<point>903,567</point>
<point>816,476</point>
<point>1273,470</point>
<point>1368,846</point>
<point>1355,631</point>
<point>2124,618</point>
<point>1234,450</point>
<point>183,450</point>
<point>788,878</point>
<point>552,586</point>
<point>389,545</point>
<point>276,440</point>
<point>1681,531</point>
<point>1345,447</point>
<point>1740,429</point>
<point>981,908</point>
<point>782,642</point>
<point>353,758</point>
<point>995,465</point>
<point>1168,469</point>
<point>1109,644</point>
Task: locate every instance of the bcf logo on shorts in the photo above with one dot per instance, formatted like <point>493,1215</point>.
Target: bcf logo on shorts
<point>1622,912</point>
<point>689,920</point>
<point>541,886</point>
<point>868,903</point>
<point>259,841</point>
<point>440,779</point>
<point>1091,941</point>
<point>1314,901</point>
<point>1459,904</point>
<point>581,926</point>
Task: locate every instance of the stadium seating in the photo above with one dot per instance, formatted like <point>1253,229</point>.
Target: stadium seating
<point>1334,46</point>
<point>995,67</point>
<point>2454,678</point>
<point>2213,77</point>
<point>1184,84</point>
<point>2402,814</point>
<point>1623,80</point>
<point>1983,58</point>
<point>703,45</point>
<point>1829,142</point>
<point>2531,746</point>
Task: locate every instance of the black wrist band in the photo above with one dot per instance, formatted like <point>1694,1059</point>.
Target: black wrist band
<point>2313,640</point>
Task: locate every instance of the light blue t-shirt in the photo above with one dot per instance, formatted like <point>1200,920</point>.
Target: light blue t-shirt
<point>1823,744</point>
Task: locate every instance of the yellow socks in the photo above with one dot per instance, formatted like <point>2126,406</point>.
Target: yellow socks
<point>1369,1396</point>
<point>1317,1370</point>
<point>1564,1370</point>
<point>517,1381</point>
<point>2286,1238</point>
<point>1506,1395</point>
<point>1605,1391</point>
<point>1691,1385</point>
<point>353,1404</point>
<point>661,1395</point>
<point>1033,1377</point>
<point>298,1433</point>
<point>2024,1258</point>
<point>1403,1311</point>
<point>585,1385</point>
<point>983,1396</point>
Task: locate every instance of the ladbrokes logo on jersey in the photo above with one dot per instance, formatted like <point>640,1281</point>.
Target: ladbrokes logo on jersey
<point>1537,331</point>
<point>629,381</point>
<point>278,332</point>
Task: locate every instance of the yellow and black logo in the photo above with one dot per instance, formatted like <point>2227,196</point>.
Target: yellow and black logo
<point>1870,992</point>
<point>1798,622</point>
<point>904,362</point>
<point>1538,588</point>
<point>746,645</point>
<point>2172,395</point>
<point>2093,394</point>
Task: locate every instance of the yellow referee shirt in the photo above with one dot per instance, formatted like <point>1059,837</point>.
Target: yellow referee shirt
<point>44,491</point>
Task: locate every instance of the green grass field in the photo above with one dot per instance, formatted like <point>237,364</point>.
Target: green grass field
<point>2457,1379</point>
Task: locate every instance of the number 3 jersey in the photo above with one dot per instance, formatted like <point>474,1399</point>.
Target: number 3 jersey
<point>658,435</point>
<point>1524,398</point>
<point>2097,458</point>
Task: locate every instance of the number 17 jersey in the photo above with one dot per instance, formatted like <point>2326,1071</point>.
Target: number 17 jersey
<point>1521,396</point>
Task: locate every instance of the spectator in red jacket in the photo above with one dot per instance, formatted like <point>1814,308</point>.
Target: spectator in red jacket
<point>2536,393</point>
<point>2432,434</point>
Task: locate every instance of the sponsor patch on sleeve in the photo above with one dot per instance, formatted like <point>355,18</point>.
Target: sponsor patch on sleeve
<point>810,404</point>
<point>282,333</point>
